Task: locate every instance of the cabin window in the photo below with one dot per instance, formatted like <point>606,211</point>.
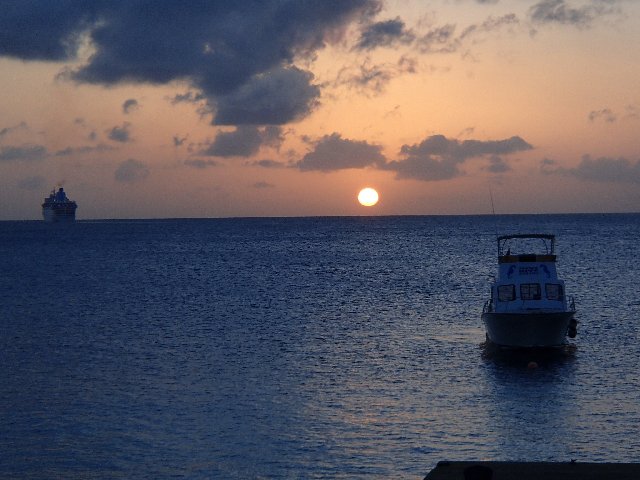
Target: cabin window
<point>530,291</point>
<point>554,291</point>
<point>506,293</point>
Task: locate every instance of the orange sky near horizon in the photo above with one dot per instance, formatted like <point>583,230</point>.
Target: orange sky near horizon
<point>431,103</point>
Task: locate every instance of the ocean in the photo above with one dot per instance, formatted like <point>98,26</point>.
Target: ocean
<point>285,348</point>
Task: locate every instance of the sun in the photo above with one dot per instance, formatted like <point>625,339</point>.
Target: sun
<point>368,197</point>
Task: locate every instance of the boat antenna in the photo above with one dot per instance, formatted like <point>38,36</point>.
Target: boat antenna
<point>493,211</point>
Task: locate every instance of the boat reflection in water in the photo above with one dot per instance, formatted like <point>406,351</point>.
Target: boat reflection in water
<point>529,358</point>
<point>528,307</point>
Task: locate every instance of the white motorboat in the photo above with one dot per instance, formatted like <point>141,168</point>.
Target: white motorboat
<point>528,307</point>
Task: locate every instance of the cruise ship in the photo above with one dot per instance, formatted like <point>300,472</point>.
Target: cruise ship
<point>58,208</point>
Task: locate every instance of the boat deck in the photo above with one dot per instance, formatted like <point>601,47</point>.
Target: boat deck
<point>534,471</point>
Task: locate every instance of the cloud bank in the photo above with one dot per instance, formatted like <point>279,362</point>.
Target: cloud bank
<point>439,158</point>
<point>22,153</point>
<point>602,169</point>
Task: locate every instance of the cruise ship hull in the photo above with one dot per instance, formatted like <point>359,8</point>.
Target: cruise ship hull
<point>59,214</point>
<point>527,329</point>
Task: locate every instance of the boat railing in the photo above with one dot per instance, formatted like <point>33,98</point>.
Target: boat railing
<point>488,306</point>
<point>504,242</point>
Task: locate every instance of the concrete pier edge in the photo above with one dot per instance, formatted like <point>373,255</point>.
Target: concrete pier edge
<point>504,470</point>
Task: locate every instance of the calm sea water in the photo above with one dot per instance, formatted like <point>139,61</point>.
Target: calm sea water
<point>303,348</point>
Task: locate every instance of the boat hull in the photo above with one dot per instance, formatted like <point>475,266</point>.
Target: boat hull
<point>527,329</point>
<point>59,213</point>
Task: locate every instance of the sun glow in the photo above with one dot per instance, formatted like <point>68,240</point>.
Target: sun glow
<point>368,197</point>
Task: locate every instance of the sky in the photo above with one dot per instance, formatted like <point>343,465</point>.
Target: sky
<point>200,109</point>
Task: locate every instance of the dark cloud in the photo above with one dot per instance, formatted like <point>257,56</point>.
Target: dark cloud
<point>439,158</point>
<point>120,134</point>
<point>562,12</point>
<point>332,152</point>
<point>605,114</point>
<point>275,97</point>
<point>129,105</point>
<point>603,169</point>
<point>384,34</point>
<point>244,141</point>
<point>199,163</point>
<point>441,146</point>
<point>232,52</point>
<point>22,153</point>
<point>131,171</point>
<point>424,168</point>
<point>32,183</point>
<point>34,30</point>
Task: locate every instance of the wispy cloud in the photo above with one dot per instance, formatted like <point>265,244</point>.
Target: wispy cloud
<point>384,34</point>
<point>498,164</point>
<point>605,114</point>
<point>567,13</point>
<point>370,77</point>
<point>200,163</point>
<point>444,39</point>
<point>7,130</point>
<point>131,171</point>
<point>32,183</point>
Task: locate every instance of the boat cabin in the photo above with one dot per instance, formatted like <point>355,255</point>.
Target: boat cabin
<point>527,281</point>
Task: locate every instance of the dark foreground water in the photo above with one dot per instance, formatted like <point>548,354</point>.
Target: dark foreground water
<point>303,348</point>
